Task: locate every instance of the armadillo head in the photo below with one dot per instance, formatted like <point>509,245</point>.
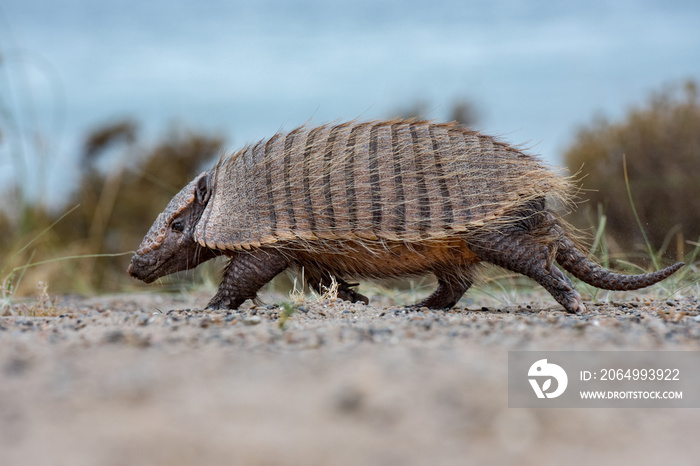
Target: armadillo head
<point>169,245</point>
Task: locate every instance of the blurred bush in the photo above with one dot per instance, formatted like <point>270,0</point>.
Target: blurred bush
<point>661,143</point>
<point>122,188</point>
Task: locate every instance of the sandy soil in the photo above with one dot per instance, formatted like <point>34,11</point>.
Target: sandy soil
<point>148,379</point>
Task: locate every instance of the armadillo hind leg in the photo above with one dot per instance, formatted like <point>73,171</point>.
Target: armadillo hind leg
<point>521,253</point>
<point>322,280</point>
<point>245,274</point>
<point>450,289</point>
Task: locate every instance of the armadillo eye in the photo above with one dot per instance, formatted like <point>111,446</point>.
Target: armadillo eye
<point>177,225</point>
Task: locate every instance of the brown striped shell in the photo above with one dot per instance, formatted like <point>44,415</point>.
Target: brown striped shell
<point>398,180</point>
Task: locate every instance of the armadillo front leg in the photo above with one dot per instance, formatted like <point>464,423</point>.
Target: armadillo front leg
<point>521,253</point>
<point>245,274</point>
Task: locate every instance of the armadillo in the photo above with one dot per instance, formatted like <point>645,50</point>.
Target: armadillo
<point>375,200</point>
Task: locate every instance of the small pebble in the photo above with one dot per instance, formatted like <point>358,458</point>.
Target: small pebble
<point>252,320</point>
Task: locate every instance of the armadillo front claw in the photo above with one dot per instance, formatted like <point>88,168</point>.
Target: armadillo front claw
<point>219,302</point>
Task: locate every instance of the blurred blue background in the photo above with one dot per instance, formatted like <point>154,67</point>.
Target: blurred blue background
<point>535,71</point>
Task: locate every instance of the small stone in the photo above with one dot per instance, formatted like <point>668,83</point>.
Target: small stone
<point>349,399</point>
<point>252,320</point>
<point>115,336</point>
<point>16,366</point>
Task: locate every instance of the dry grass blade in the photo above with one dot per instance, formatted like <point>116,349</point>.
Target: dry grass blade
<point>654,257</point>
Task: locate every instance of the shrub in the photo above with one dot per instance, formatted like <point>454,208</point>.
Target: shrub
<point>116,206</point>
<point>661,144</point>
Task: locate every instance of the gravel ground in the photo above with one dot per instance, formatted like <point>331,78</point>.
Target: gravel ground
<point>149,379</point>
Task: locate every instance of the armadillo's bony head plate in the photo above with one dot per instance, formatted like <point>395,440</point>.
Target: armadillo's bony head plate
<point>168,246</point>
<point>155,236</point>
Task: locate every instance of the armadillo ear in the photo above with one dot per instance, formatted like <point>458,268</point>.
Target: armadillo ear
<point>203,190</point>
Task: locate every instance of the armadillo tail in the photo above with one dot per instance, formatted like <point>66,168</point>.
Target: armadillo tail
<point>569,257</point>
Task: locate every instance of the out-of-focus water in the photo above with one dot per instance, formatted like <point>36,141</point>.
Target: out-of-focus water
<point>536,70</point>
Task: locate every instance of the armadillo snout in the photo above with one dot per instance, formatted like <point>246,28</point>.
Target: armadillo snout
<point>143,268</point>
